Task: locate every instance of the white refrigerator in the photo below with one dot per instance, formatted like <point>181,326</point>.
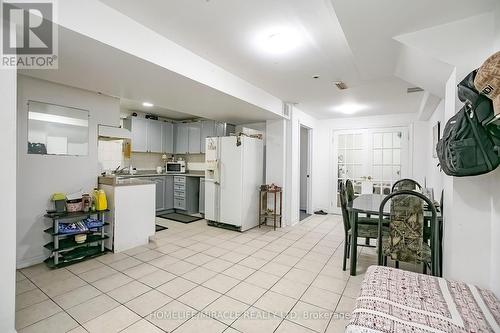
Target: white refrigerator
<point>234,173</point>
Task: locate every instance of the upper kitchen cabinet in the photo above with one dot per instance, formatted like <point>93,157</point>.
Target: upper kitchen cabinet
<point>207,131</point>
<point>194,140</point>
<point>146,134</point>
<point>168,138</point>
<point>181,135</point>
<point>187,138</point>
<point>155,140</point>
<point>154,136</point>
<point>139,129</point>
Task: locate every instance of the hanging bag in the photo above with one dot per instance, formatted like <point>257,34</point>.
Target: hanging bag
<point>467,148</point>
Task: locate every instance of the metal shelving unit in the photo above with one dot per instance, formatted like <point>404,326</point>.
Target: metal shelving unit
<point>64,250</point>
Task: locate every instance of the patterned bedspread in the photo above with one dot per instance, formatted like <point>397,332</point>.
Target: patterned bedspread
<point>397,301</point>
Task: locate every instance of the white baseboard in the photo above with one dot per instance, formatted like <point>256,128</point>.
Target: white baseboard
<point>27,262</point>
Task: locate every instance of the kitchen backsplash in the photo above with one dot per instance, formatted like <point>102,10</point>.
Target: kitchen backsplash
<point>110,155</point>
<point>145,161</point>
<point>195,162</point>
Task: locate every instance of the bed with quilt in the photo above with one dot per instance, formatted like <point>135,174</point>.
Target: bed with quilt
<point>396,301</point>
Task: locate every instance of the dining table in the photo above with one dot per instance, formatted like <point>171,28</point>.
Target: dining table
<point>369,204</point>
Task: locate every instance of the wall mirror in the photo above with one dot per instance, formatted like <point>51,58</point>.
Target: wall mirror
<point>57,130</point>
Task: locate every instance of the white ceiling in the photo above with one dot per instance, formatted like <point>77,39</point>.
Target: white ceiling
<point>130,105</point>
<point>370,26</point>
<point>88,64</point>
<point>343,40</point>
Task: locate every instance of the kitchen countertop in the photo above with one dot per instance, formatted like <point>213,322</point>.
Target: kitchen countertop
<point>117,181</point>
<point>153,173</point>
<point>131,180</point>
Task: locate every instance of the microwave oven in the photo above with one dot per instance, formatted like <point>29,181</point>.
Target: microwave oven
<point>176,167</point>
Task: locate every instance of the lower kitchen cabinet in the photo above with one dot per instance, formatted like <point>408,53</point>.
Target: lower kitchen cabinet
<point>186,193</point>
<point>169,192</point>
<point>177,192</point>
<point>179,203</point>
<point>201,207</point>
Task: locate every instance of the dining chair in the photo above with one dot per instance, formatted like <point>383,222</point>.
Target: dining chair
<point>406,184</point>
<point>406,240</point>
<point>367,227</point>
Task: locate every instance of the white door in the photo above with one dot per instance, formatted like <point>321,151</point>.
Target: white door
<point>372,158</point>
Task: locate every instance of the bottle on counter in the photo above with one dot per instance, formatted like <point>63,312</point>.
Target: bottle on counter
<point>100,202</point>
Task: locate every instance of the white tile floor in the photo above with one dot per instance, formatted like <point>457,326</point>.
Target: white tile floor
<point>195,278</point>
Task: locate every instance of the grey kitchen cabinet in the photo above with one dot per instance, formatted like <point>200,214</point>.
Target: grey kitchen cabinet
<point>169,192</point>
<point>181,133</point>
<point>194,138</point>
<point>139,130</point>
<point>179,203</point>
<point>146,134</point>
<point>167,131</point>
<point>186,193</point>
<point>207,131</point>
<point>201,204</point>
<point>155,140</point>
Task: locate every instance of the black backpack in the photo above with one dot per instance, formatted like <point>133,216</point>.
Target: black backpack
<point>466,147</point>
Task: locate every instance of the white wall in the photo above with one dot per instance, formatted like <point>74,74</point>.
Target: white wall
<point>276,146</point>
<point>433,173</point>
<point>39,176</point>
<point>471,225</point>
<point>471,215</point>
<point>8,199</point>
<point>283,159</point>
<point>471,230</point>
<point>420,150</point>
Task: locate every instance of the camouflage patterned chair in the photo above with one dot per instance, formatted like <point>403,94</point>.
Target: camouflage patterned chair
<point>367,227</point>
<point>406,184</point>
<point>406,241</point>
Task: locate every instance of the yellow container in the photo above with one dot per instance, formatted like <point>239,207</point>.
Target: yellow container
<point>101,203</point>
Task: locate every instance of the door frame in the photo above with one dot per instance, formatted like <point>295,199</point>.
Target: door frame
<point>309,130</point>
<point>334,159</point>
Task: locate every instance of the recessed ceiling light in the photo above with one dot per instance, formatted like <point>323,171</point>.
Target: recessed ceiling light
<point>147,104</point>
<point>315,76</point>
<point>350,108</point>
<point>278,40</point>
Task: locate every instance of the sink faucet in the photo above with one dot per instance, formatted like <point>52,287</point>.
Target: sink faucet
<point>119,170</point>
